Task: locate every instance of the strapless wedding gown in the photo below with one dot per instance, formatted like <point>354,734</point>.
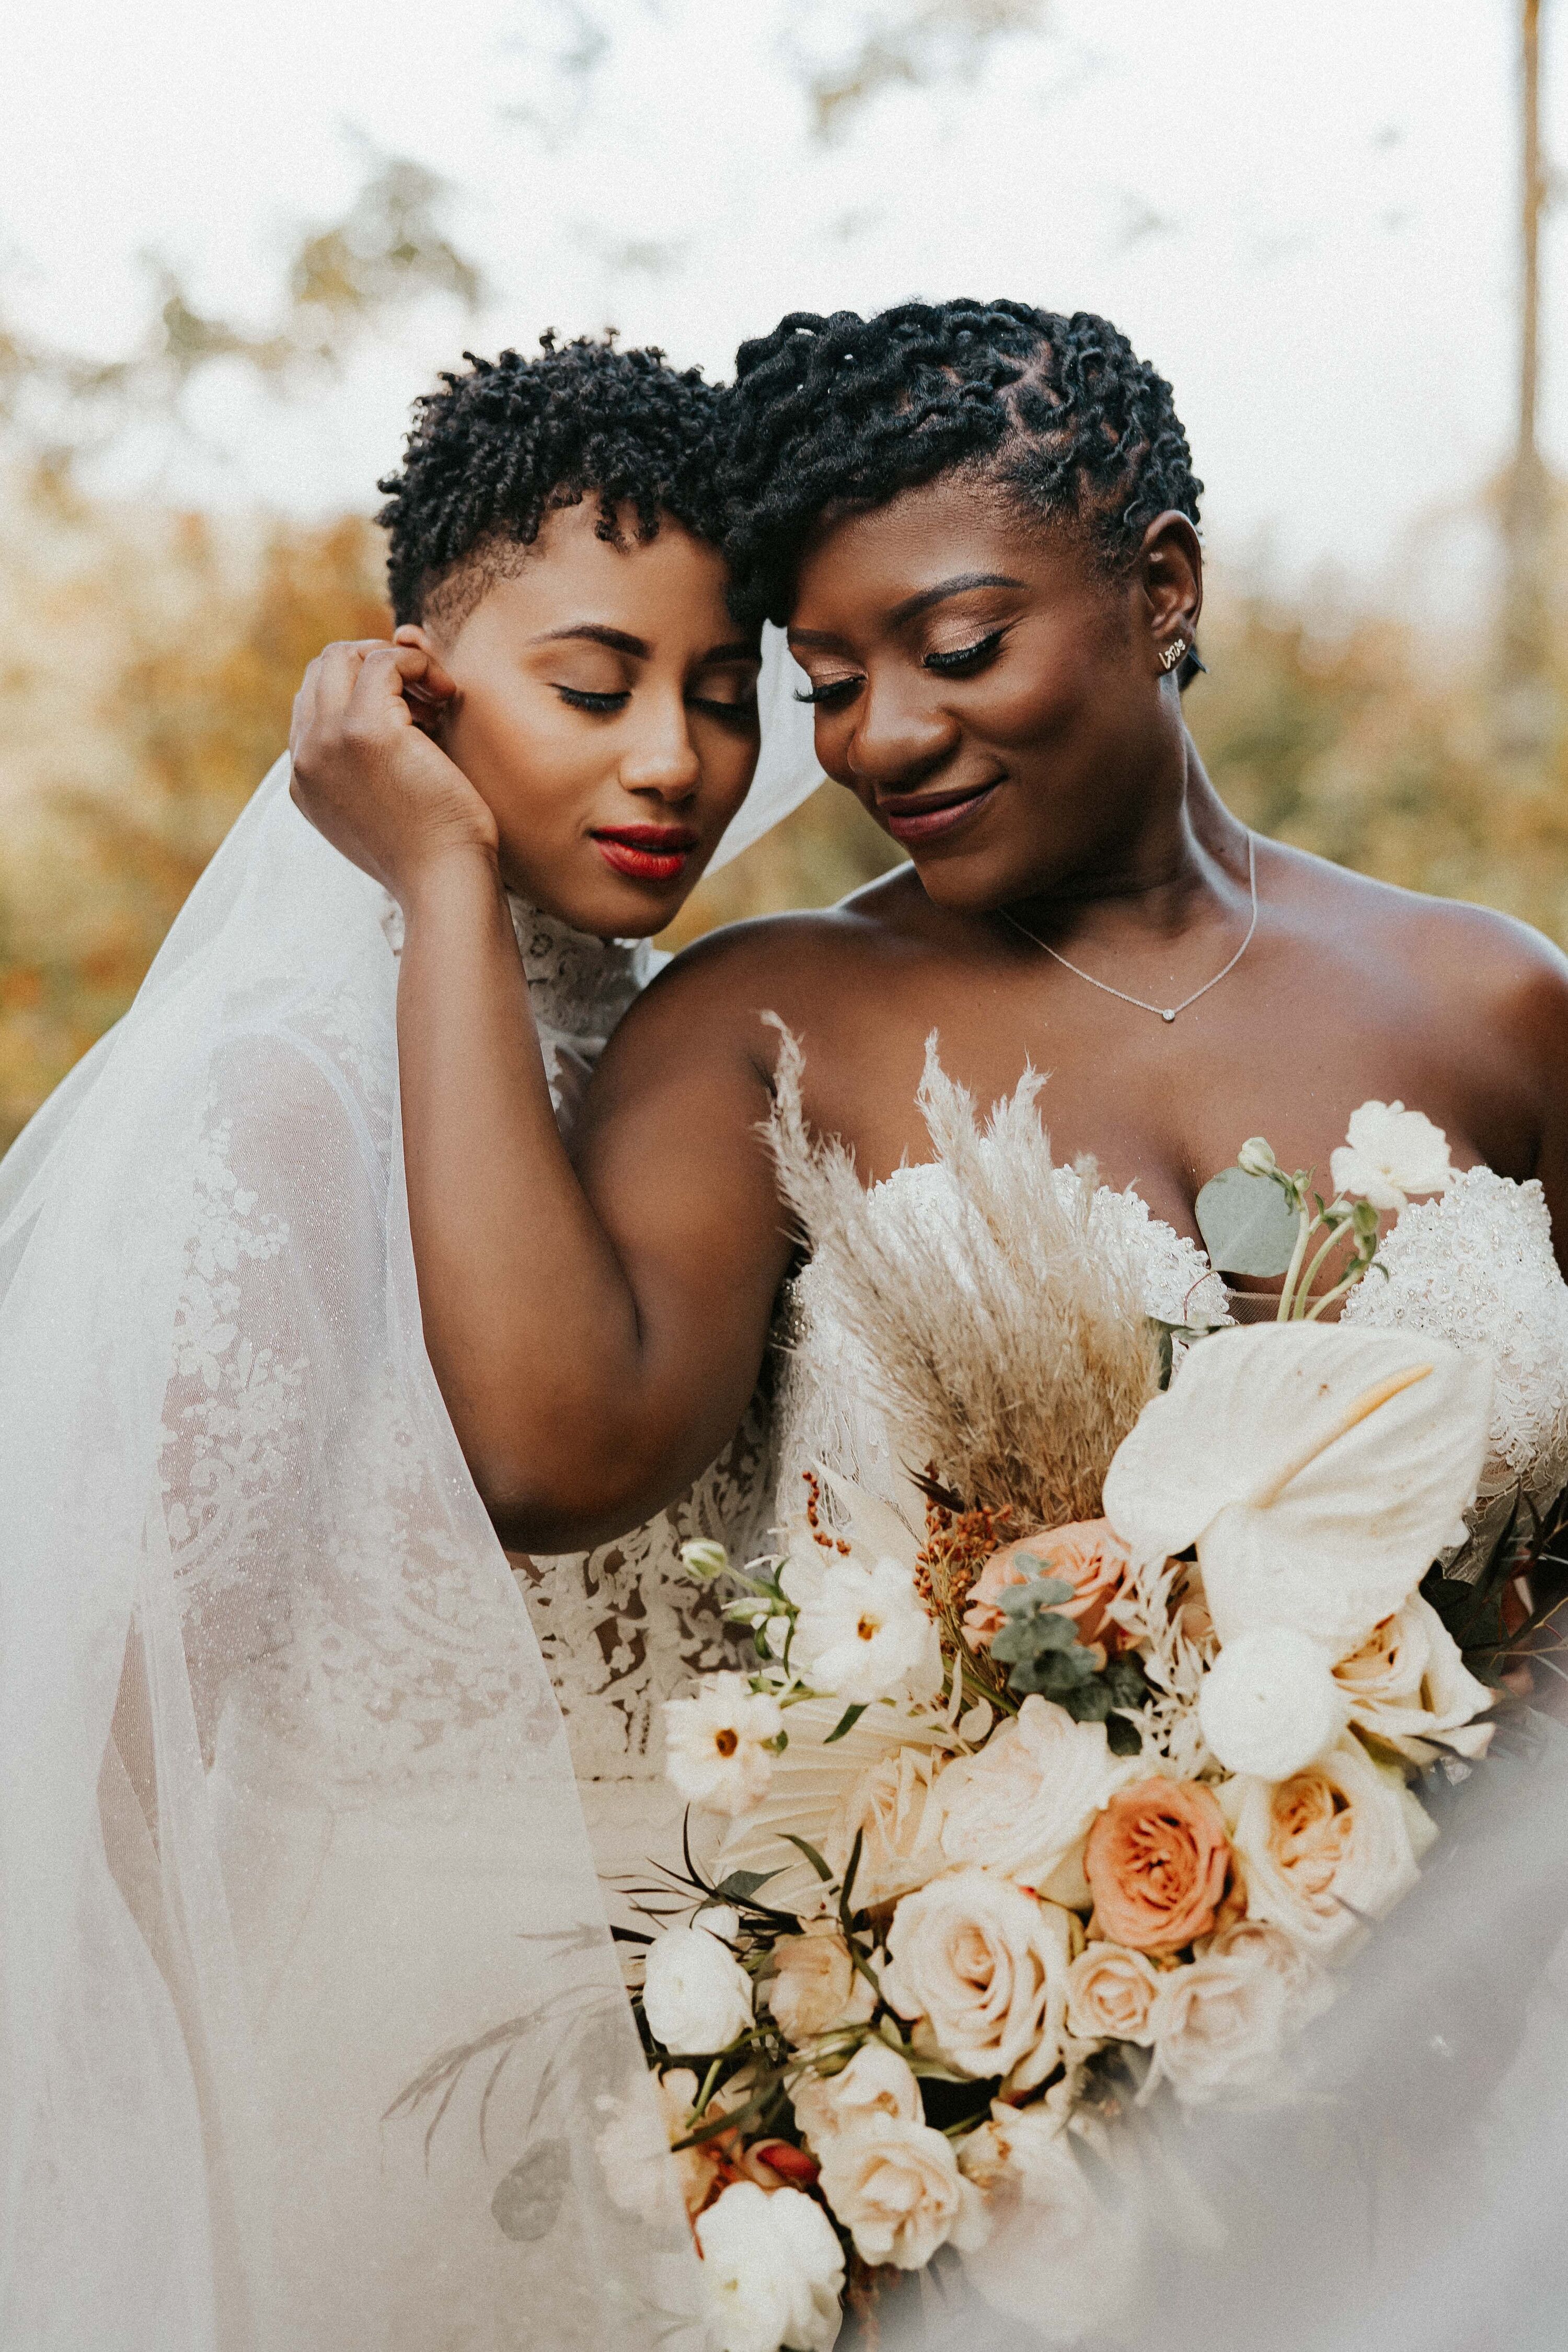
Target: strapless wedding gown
<point>1473,1266</point>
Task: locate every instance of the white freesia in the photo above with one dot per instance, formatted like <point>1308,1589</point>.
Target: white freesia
<point>816,1985</point>
<point>876,2085</point>
<point>1329,1848</point>
<point>863,1632</point>
<point>1053,2256</point>
<point>896,2187</point>
<point>895,1810</point>
<point>1389,1152</point>
<point>716,1745</point>
<point>1024,1802</point>
<point>1319,1471</point>
<point>773,2269</point>
<point>1269,1703</point>
<point>1110,1995</point>
<point>697,1996</point>
<point>1407,1684</point>
<point>981,1968</point>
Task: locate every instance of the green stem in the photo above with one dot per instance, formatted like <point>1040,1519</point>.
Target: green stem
<point>1339,1290</point>
<point>1304,1289</point>
<point>1294,1268</point>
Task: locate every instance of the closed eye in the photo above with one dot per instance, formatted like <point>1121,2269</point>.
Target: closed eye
<point>965,657</point>
<point>734,714</point>
<point>832,693</point>
<point>580,700</point>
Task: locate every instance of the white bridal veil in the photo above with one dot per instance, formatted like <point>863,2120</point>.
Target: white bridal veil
<point>312,2034</point>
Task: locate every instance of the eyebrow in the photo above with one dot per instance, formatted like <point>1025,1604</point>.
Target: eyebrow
<point>621,641</point>
<point>914,605</point>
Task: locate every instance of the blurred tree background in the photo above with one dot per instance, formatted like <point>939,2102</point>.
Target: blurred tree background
<point>151,655</point>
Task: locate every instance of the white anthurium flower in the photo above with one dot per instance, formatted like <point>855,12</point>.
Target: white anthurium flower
<point>1269,1704</point>
<point>1319,1469</point>
<point>1388,1153</point>
<point>863,1632</point>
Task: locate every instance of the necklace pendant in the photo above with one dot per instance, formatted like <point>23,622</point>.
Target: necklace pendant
<point>1167,1016</point>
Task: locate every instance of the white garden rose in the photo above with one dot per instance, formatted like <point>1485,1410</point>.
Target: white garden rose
<point>863,1632</point>
<point>1220,2025</point>
<point>816,1985</point>
<point>1408,1684</point>
<point>1053,2256</point>
<point>716,1745</point>
<point>1110,1995</point>
<point>773,2269</point>
<point>1026,1802</point>
<point>1388,1153</point>
<point>1329,1847</point>
<point>981,1967</point>
<point>1270,1704</point>
<point>895,2186</point>
<point>697,1996</point>
<point>876,2085</point>
<point>895,1810</point>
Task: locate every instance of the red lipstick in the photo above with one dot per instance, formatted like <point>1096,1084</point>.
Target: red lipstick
<point>646,853</point>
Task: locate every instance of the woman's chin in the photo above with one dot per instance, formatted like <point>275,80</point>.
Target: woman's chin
<point>607,904</point>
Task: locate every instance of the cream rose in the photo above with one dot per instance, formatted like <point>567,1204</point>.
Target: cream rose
<point>816,1985</point>
<point>1088,1554</point>
<point>1389,1152</point>
<point>1270,1704</point>
<point>876,2085</point>
<point>1219,2026</point>
<point>981,1967</point>
<point>1157,1863</point>
<point>894,1810</point>
<point>1110,1995</point>
<point>1023,1804</point>
<point>1332,1846</point>
<point>896,2187</point>
<point>1408,1684</point>
<point>774,2270</point>
<point>1053,2256</point>
<point>696,1995</point>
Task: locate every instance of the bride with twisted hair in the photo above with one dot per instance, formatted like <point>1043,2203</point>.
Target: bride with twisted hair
<point>978,522</point>
<point>286,1816</point>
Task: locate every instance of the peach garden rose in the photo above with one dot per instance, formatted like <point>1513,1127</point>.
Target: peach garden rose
<point>1158,1862</point>
<point>1088,1554</point>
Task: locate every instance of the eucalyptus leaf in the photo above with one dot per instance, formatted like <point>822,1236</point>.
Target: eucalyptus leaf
<point>1248,1223</point>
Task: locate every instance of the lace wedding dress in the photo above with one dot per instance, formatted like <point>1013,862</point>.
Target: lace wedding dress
<point>622,1627</point>
<point>1473,1266</point>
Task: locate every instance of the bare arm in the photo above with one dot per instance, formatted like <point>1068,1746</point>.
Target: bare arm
<point>595,1342</point>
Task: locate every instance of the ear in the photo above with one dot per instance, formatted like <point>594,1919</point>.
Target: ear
<point>1170,574</point>
<point>415,633</point>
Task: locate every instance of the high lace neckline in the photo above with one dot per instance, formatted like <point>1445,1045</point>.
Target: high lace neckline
<point>579,983</point>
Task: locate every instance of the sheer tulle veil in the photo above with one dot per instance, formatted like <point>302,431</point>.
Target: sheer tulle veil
<point>312,2034</point>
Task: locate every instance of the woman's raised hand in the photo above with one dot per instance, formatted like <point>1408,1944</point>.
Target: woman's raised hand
<point>367,769</point>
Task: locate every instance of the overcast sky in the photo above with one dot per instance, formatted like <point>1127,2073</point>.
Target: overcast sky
<point>1304,215</point>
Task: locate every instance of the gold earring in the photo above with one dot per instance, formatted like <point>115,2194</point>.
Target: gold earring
<point>1173,654</point>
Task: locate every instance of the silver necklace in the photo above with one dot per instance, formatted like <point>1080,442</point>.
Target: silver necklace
<point>1165,1011</point>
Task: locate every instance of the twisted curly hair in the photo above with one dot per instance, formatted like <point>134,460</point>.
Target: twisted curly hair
<point>845,412</point>
<point>498,448</point>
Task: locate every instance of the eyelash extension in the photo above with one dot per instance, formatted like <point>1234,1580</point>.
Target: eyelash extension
<point>581,700</point>
<point>824,694</point>
<point>963,654</point>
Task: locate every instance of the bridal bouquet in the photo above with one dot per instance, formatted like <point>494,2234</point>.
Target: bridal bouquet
<point>1067,1783</point>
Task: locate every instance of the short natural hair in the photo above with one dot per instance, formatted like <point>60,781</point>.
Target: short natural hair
<point>498,447</point>
<point>845,412</point>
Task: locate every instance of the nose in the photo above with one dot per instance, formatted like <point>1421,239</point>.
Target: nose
<point>901,736</point>
<point>662,759</point>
